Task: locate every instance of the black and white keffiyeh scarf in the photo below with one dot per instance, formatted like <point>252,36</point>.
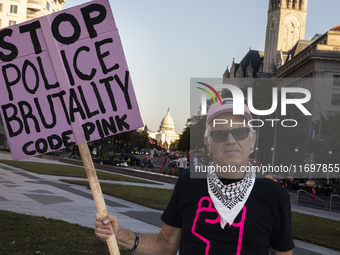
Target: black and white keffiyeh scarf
<point>230,199</point>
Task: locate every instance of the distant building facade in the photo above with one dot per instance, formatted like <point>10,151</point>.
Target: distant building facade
<point>16,11</point>
<point>288,55</point>
<point>317,63</point>
<point>13,12</point>
<point>291,61</point>
<point>166,132</point>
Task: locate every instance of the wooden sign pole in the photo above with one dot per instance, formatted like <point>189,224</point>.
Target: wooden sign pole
<point>96,192</point>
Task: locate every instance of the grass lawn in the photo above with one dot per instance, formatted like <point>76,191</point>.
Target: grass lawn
<point>150,197</point>
<point>46,234</point>
<point>66,170</point>
<point>25,234</point>
<point>307,228</point>
<point>316,230</point>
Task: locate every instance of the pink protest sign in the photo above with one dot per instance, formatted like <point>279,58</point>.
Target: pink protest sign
<point>65,81</point>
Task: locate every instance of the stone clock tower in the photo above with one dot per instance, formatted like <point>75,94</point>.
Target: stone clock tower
<point>286,25</point>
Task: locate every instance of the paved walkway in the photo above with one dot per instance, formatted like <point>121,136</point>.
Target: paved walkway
<point>43,195</point>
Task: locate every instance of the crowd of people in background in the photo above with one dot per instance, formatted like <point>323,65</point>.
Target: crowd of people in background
<point>164,161</point>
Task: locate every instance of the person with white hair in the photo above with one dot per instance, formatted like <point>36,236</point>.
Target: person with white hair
<point>229,211</point>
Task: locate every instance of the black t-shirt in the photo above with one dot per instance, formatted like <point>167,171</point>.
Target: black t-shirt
<point>265,220</point>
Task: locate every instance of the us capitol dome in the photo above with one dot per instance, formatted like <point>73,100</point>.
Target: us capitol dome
<point>167,124</point>
<point>166,132</point>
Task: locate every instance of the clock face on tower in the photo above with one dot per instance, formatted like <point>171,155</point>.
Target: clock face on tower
<point>292,31</point>
<point>292,24</point>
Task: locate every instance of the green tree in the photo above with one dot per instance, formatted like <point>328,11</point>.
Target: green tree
<point>184,139</point>
<point>166,145</point>
<point>174,145</point>
<point>197,129</point>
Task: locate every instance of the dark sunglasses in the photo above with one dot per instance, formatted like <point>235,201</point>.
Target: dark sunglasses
<point>237,133</point>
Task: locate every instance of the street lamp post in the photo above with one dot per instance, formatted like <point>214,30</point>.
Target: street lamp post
<point>274,146</point>
<point>329,162</point>
<point>256,149</point>
<point>296,152</point>
<point>257,142</point>
<point>319,135</point>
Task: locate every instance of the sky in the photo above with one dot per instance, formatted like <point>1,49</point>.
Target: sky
<point>168,42</point>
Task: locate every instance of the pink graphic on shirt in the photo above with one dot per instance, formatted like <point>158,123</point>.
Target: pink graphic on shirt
<point>217,220</point>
